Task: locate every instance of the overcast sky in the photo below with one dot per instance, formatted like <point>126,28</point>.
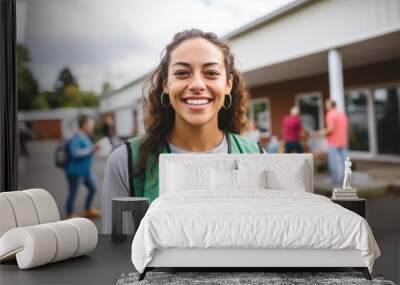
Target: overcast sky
<point>119,40</point>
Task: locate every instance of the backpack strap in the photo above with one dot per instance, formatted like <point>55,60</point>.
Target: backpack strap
<point>229,142</point>
<point>260,147</point>
<point>144,184</point>
<point>130,169</point>
<point>241,144</point>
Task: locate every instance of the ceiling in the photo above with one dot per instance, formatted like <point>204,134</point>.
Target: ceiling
<point>374,50</point>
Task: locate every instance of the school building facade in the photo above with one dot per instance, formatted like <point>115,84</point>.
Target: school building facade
<point>54,124</point>
<point>302,54</point>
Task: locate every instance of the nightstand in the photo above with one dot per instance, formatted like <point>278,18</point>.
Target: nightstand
<point>137,205</point>
<point>358,205</point>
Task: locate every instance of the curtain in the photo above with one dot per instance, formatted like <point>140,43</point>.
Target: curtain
<point>8,98</point>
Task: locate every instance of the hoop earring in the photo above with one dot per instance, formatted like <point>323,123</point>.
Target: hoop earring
<point>230,102</point>
<point>162,101</point>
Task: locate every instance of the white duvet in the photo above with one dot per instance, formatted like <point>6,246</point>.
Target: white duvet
<point>253,218</point>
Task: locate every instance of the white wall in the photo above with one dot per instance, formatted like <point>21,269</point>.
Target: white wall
<point>316,27</point>
<point>124,122</point>
<point>122,103</point>
<point>123,98</point>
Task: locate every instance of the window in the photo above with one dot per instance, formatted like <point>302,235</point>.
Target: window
<point>356,106</point>
<point>260,113</point>
<point>374,120</point>
<point>387,119</point>
<point>311,112</point>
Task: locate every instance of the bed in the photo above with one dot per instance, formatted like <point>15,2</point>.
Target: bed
<point>247,210</point>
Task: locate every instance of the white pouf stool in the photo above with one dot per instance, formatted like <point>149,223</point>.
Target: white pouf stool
<point>31,233</point>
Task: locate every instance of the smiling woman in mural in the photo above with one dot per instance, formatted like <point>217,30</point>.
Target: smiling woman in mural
<point>196,103</point>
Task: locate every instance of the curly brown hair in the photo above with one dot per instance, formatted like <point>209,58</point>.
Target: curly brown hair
<point>159,120</point>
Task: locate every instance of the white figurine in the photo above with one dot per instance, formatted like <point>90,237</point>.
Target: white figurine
<point>347,174</point>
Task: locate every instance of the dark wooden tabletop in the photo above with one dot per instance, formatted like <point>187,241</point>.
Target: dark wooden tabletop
<point>104,265</point>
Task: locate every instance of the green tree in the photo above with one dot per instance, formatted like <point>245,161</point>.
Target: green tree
<point>71,96</point>
<point>74,97</point>
<point>90,99</point>
<point>41,102</point>
<point>27,86</point>
<point>64,79</point>
<point>68,94</point>
<point>58,98</point>
<point>106,86</point>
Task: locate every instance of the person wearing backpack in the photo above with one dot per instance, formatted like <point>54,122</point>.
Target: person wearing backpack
<point>197,103</point>
<point>80,150</point>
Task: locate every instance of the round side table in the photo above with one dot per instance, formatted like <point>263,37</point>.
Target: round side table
<point>137,205</point>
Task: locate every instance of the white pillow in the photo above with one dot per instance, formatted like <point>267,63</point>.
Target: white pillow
<point>251,178</point>
<point>181,177</point>
<point>278,180</point>
<point>223,179</point>
<point>282,173</point>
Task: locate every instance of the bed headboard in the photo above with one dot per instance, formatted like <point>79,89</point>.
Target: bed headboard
<point>286,169</point>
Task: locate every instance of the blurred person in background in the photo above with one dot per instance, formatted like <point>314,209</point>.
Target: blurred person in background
<point>78,168</point>
<point>109,131</point>
<point>25,135</point>
<point>109,127</point>
<point>291,131</point>
<point>273,145</point>
<point>336,133</point>
<point>251,131</point>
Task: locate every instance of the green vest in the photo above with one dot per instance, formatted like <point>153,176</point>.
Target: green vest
<point>147,186</point>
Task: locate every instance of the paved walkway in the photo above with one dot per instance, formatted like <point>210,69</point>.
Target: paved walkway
<point>371,179</point>
<point>39,172</point>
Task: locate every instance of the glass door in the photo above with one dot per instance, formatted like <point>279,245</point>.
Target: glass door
<point>387,119</point>
<point>358,112</point>
<point>260,113</point>
<point>311,112</point>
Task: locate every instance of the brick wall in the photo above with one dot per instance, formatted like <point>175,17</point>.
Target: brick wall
<point>282,95</point>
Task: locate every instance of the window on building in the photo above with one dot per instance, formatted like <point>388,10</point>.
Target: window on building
<point>374,120</point>
<point>311,111</point>
<point>356,106</point>
<point>260,113</point>
<point>387,119</point>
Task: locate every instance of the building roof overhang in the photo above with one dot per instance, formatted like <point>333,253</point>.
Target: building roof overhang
<point>378,49</point>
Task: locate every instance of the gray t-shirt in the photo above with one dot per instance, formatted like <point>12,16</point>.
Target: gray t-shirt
<point>116,182</point>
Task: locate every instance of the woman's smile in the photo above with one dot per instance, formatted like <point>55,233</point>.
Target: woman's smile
<point>196,103</point>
